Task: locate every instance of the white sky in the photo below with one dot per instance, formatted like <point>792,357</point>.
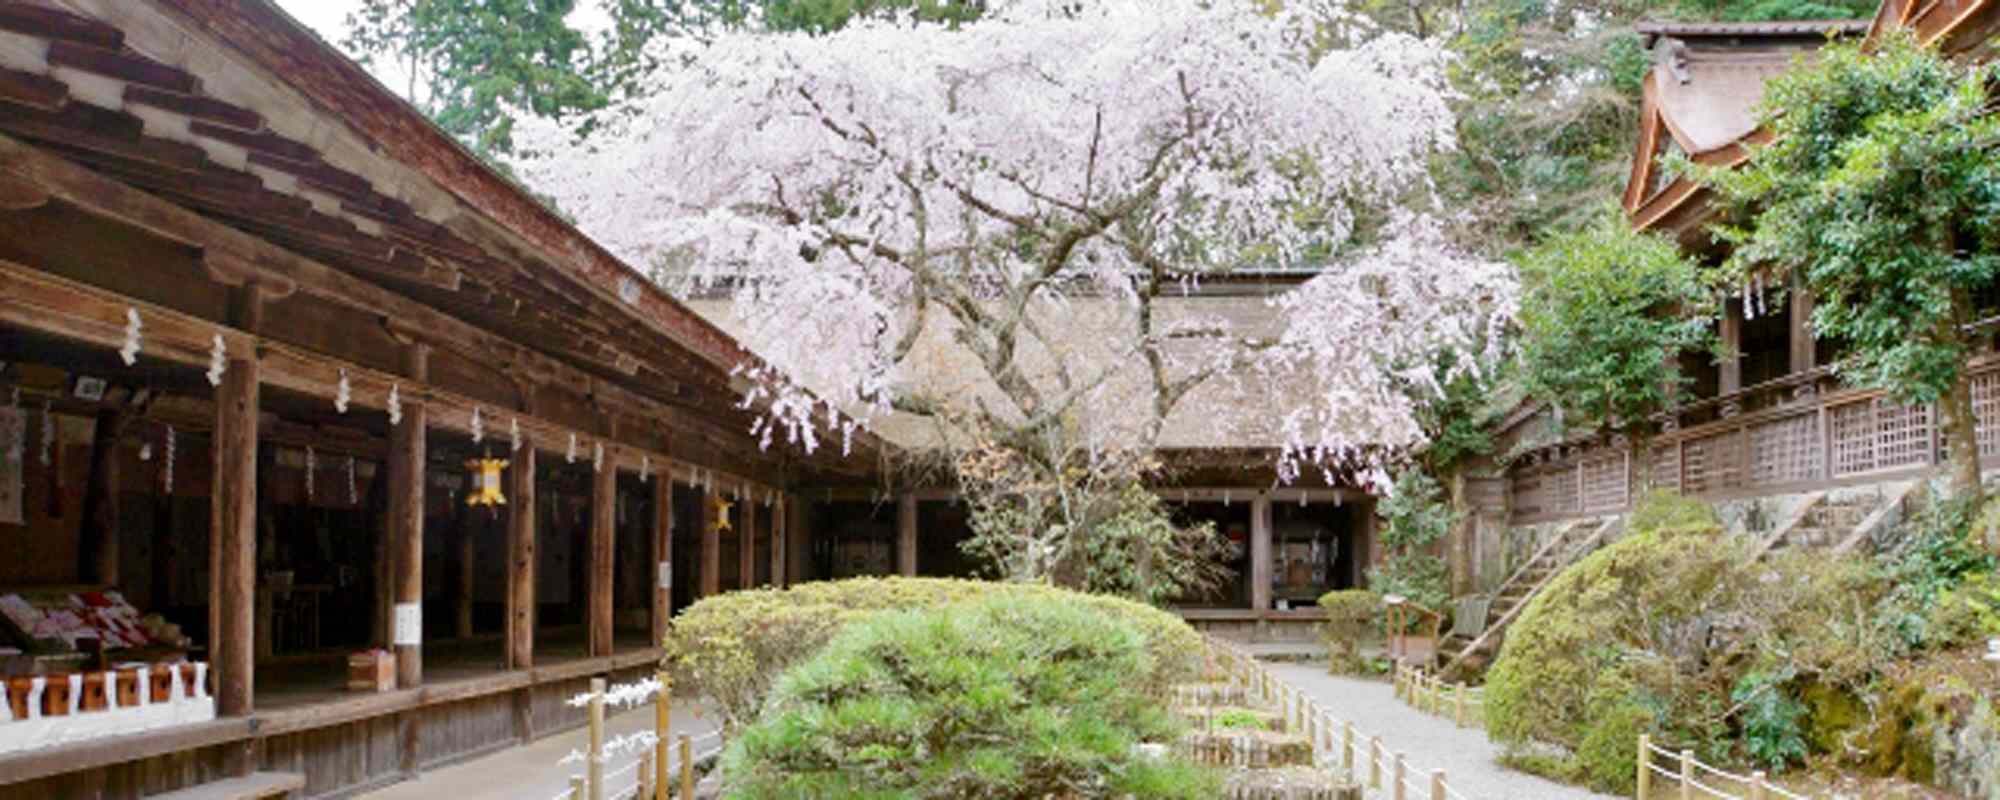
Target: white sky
<point>328,18</point>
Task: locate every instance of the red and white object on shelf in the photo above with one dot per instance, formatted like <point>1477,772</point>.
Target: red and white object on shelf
<point>104,616</point>
<point>49,710</point>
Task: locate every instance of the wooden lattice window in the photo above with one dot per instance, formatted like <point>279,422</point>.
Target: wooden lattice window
<point>1563,491</point>
<point>1785,450</point>
<point>1877,434</point>
<point>1713,463</point>
<point>1986,412</point>
<point>1667,468</point>
<point>1604,483</point>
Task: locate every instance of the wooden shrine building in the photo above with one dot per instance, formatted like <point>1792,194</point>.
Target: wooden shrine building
<point>1772,420</point>
<point>259,322</point>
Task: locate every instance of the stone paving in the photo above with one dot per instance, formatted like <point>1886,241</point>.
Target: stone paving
<point>536,771</point>
<point>1467,758</point>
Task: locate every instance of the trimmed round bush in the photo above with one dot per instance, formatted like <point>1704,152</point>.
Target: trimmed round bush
<point>1350,618</point>
<point>730,648</point>
<point>1010,696</point>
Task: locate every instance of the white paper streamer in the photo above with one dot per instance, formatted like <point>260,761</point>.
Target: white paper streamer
<point>343,393</point>
<point>395,404</point>
<point>597,458</point>
<point>130,352</point>
<point>218,361</point>
<point>167,466</point>
<point>353,496</point>
<point>569,456</point>
<point>478,427</point>
<point>513,434</point>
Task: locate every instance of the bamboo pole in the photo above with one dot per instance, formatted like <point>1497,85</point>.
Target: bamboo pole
<point>687,768</point>
<point>1644,779</point>
<point>1458,702</point>
<point>663,715</point>
<point>596,766</point>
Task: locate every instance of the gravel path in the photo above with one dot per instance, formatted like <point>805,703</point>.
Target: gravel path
<point>1467,758</point>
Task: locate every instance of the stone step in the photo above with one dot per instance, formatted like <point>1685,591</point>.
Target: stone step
<point>1225,718</point>
<point>1247,749</point>
<point>1290,783</point>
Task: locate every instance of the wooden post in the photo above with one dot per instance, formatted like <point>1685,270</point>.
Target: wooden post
<point>906,534</point>
<point>711,544</point>
<point>798,540</point>
<point>1374,762</point>
<point>406,520</point>
<point>1758,783</point>
<point>645,786</point>
<point>778,542</point>
<point>576,789</point>
<point>603,532</point>
<point>746,539</point>
<point>1731,366</point>
<point>1395,789</point>
<point>1260,553</point>
<point>98,540</point>
<point>1458,703</point>
<point>687,768</point>
<point>469,522</point>
<point>1687,775</point>
<point>521,558</point>
<point>663,569</point>
<point>1437,784</point>
<point>662,728</point>
<point>595,765</point>
<point>1347,747</point>
<point>1644,779</point>
<point>233,536</point>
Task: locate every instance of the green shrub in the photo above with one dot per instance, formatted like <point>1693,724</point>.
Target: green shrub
<point>1018,696</point>
<point>1771,730</point>
<point>1415,516</point>
<point>1350,617</point>
<point>1237,719</point>
<point>730,648</point>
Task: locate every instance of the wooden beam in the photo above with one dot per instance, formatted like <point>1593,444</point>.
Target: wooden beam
<point>54,23</point>
<point>906,534</point>
<point>124,65</point>
<point>233,537</point>
<point>466,527</point>
<point>521,558</point>
<point>97,542</point>
<point>711,543</point>
<point>1803,350</point>
<point>603,532</point>
<point>663,555</point>
<point>406,518</point>
<point>1731,367</point>
<point>39,92</point>
<point>798,536</point>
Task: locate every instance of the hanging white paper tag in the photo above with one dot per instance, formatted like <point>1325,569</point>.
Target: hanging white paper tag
<point>409,624</point>
<point>666,574</point>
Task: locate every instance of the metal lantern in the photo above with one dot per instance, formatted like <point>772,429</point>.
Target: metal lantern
<point>485,489</point>
<point>722,508</point>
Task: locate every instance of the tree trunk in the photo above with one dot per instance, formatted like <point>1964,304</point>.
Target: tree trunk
<point>1961,439</point>
<point>1959,426</point>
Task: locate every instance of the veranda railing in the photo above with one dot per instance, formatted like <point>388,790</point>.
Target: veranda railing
<point>1798,432</point>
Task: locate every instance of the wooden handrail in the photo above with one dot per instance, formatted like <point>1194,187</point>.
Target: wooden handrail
<point>1561,534</point>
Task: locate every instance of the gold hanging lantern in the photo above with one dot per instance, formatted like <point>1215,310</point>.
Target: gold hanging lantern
<point>486,482</point>
<point>722,508</point>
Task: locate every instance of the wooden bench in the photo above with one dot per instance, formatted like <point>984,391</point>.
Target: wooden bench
<point>254,786</point>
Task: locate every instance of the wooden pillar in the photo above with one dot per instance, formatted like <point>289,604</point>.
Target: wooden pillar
<point>778,541</point>
<point>470,522</point>
<point>1260,552</point>
<point>407,453</point>
<point>663,555</point>
<point>711,543</point>
<point>521,558</point>
<point>798,540</point>
<point>1732,342</point>
<point>603,538</point>
<point>233,537</point>
<point>906,534</point>
<point>1804,351</point>
<point>98,543</point>
<point>746,540</point>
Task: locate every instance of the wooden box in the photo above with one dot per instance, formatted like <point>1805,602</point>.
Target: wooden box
<point>373,671</point>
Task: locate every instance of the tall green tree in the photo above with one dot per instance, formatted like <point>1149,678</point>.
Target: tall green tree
<point>1604,310</point>
<point>472,63</point>
<point>1882,189</point>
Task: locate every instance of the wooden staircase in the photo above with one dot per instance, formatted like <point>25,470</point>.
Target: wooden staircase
<point>1570,542</point>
